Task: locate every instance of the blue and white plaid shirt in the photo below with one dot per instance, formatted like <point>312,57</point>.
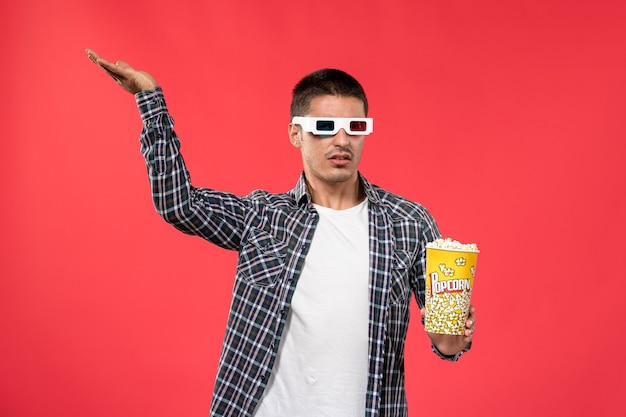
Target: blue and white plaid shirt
<point>273,233</point>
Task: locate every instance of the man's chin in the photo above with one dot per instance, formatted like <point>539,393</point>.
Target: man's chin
<point>339,177</point>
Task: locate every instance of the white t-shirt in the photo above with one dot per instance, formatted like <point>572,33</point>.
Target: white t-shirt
<point>322,363</point>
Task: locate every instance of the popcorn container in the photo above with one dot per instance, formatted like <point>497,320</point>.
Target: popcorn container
<point>450,268</point>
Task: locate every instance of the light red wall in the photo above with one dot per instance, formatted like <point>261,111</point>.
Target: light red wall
<point>504,118</point>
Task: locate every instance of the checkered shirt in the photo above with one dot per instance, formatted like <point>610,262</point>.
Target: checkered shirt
<point>272,233</point>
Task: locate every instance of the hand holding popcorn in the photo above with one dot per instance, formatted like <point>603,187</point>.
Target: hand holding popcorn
<point>453,344</point>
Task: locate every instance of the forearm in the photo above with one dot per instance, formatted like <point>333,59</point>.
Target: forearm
<point>160,147</point>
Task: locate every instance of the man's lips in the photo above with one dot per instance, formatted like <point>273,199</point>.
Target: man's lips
<point>340,158</point>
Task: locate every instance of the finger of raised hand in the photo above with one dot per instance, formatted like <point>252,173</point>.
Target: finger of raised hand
<point>101,62</point>
<point>93,56</point>
<point>108,67</point>
<point>113,69</point>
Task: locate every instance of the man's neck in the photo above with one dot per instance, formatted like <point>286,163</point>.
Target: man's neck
<point>337,196</point>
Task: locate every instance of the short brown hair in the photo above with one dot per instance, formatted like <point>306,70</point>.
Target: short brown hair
<point>324,82</point>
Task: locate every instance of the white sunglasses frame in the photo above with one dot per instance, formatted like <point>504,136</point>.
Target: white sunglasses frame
<point>309,124</point>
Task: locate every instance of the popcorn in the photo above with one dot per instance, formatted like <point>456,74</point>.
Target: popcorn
<point>448,243</point>
<point>451,313</point>
<point>450,268</point>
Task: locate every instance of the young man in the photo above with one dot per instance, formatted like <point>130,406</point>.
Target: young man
<point>320,306</point>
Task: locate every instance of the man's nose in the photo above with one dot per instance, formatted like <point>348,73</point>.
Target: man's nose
<point>341,138</point>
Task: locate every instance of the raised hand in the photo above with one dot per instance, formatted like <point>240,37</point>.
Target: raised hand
<point>130,79</point>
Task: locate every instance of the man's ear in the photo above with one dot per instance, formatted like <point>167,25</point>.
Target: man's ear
<point>295,135</point>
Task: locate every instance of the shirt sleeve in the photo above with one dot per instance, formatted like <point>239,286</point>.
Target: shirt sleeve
<point>215,216</point>
<point>429,231</point>
<point>451,358</point>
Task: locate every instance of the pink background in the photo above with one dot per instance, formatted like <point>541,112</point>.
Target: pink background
<point>504,118</point>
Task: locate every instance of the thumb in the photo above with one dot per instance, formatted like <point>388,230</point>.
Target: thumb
<point>123,64</point>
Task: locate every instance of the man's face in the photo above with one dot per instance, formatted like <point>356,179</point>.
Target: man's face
<point>335,159</point>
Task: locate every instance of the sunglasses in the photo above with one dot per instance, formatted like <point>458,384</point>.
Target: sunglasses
<point>329,126</point>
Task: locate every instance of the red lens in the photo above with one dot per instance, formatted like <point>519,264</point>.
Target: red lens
<point>358,126</point>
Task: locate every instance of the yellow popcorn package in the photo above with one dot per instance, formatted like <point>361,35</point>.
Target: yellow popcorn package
<point>450,268</point>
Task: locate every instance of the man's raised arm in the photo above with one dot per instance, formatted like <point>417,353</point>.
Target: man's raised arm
<point>215,216</point>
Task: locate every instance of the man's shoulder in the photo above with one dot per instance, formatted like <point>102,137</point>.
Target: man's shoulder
<point>285,200</point>
<point>398,205</point>
<point>267,198</point>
